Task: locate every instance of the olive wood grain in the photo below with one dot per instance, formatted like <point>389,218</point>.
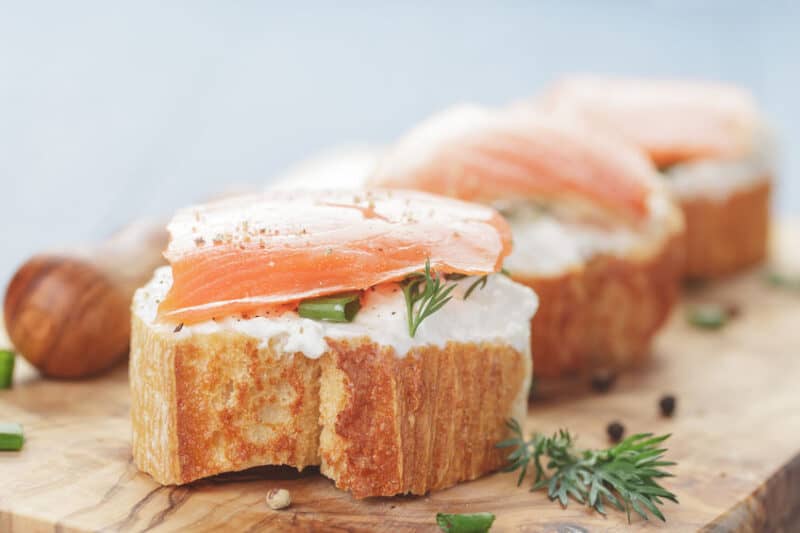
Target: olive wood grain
<point>68,312</point>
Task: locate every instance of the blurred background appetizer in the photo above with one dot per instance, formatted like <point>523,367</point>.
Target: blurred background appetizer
<point>596,234</point>
<point>369,333</point>
<point>711,145</point>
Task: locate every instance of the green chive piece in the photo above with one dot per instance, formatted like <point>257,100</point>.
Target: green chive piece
<point>336,308</point>
<point>465,523</point>
<point>11,437</point>
<point>6,368</point>
<point>708,316</point>
<point>777,279</point>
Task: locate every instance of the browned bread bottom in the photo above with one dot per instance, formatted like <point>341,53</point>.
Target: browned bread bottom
<point>377,424</point>
<point>605,314</point>
<point>728,236</point>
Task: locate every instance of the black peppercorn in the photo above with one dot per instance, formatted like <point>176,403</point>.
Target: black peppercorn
<point>603,380</point>
<point>615,431</point>
<point>667,405</point>
<point>733,310</point>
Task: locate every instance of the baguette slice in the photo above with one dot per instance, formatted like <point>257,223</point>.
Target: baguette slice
<point>419,423</point>
<point>604,314</point>
<point>207,404</point>
<point>726,236</point>
<point>207,400</point>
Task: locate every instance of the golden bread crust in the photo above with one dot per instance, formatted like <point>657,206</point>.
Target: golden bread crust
<point>379,425</point>
<point>724,237</point>
<point>223,405</point>
<point>605,314</point>
<point>418,423</point>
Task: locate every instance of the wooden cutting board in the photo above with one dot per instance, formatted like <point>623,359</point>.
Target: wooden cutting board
<point>736,437</point>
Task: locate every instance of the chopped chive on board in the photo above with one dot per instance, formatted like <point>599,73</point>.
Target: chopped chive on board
<point>6,368</point>
<point>778,279</point>
<point>465,523</point>
<point>11,437</point>
<point>708,316</point>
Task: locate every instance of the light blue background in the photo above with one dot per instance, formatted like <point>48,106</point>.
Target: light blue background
<point>108,111</point>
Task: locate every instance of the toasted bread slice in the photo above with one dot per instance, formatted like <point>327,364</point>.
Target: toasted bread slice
<point>604,292</point>
<point>728,235</point>
<point>217,403</point>
<point>208,399</point>
<point>422,422</point>
<point>605,314</point>
<point>726,203</point>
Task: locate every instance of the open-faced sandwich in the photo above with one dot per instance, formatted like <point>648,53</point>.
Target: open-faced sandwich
<point>365,332</point>
<point>595,232</point>
<point>712,147</point>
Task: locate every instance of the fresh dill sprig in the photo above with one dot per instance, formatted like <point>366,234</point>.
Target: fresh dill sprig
<point>425,294</point>
<point>625,476</point>
<point>481,281</point>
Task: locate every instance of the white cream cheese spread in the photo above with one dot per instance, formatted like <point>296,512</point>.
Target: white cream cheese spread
<point>548,245</point>
<point>718,179</point>
<point>500,312</point>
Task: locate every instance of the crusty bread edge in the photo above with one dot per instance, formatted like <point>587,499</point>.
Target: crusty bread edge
<point>180,434</point>
<point>605,314</point>
<point>421,422</point>
<point>152,387</point>
<point>727,236</point>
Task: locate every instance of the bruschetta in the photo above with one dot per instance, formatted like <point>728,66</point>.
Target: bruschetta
<point>596,234</point>
<point>712,146</point>
<point>369,333</point>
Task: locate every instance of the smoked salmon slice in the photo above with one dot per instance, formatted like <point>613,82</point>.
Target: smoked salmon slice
<point>672,121</point>
<point>245,254</point>
<point>483,155</point>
